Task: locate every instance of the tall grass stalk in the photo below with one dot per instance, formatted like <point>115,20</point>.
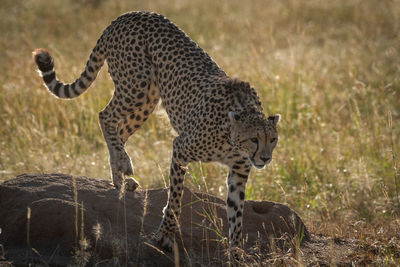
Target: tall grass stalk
<point>395,169</point>
<point>28,227</point>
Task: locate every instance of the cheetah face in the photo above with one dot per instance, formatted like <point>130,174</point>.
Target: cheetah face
<point>254,136</point>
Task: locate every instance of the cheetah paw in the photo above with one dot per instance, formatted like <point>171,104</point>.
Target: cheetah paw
<point>164,241</point>
<point>131,184</point>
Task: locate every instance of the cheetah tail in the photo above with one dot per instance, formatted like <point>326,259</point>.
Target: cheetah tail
<point>45,63</point>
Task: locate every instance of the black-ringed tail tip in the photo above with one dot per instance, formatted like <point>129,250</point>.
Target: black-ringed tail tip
<point>43,60</point>
<point>45,63</point>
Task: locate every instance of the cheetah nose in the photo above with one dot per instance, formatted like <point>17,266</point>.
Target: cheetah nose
<point>265,159</point>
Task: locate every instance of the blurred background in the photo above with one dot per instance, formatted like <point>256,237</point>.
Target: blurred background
<point>330,68</point>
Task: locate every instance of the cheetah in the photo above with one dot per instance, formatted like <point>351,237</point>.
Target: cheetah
<point>217,118</point>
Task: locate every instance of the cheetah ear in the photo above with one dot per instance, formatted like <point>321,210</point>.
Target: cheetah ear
<point>233,118</point>
<point>274,119</point>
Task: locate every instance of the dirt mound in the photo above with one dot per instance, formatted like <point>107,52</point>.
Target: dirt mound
<point>76,219</point>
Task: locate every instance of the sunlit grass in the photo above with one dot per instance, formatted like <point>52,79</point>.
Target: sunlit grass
<point>330,68</point>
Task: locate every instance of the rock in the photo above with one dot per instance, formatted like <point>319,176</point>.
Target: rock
<point>118,229</point>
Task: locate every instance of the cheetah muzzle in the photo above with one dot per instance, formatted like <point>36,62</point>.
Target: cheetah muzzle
<point>217,118</point>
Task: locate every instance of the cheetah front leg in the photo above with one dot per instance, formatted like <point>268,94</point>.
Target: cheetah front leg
<point>165,235</point>
<point>236,182</point>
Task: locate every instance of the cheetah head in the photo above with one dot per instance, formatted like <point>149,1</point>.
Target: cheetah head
<point>254,136</point>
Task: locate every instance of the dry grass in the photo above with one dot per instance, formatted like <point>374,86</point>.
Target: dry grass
<point>331,68</point>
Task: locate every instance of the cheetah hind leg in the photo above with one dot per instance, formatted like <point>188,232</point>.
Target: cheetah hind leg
<point>128,126</point>
<point>120,162</point>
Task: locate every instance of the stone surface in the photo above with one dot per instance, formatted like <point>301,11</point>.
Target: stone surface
<point>126,223</point>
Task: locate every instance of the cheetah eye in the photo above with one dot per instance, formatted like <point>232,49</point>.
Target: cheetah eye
<point>273,140</point>
<point>254,140</point>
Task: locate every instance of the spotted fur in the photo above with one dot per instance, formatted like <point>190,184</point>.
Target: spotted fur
<point>217,118</point>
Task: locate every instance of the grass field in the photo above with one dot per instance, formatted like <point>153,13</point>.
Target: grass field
<point>330,68</point>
